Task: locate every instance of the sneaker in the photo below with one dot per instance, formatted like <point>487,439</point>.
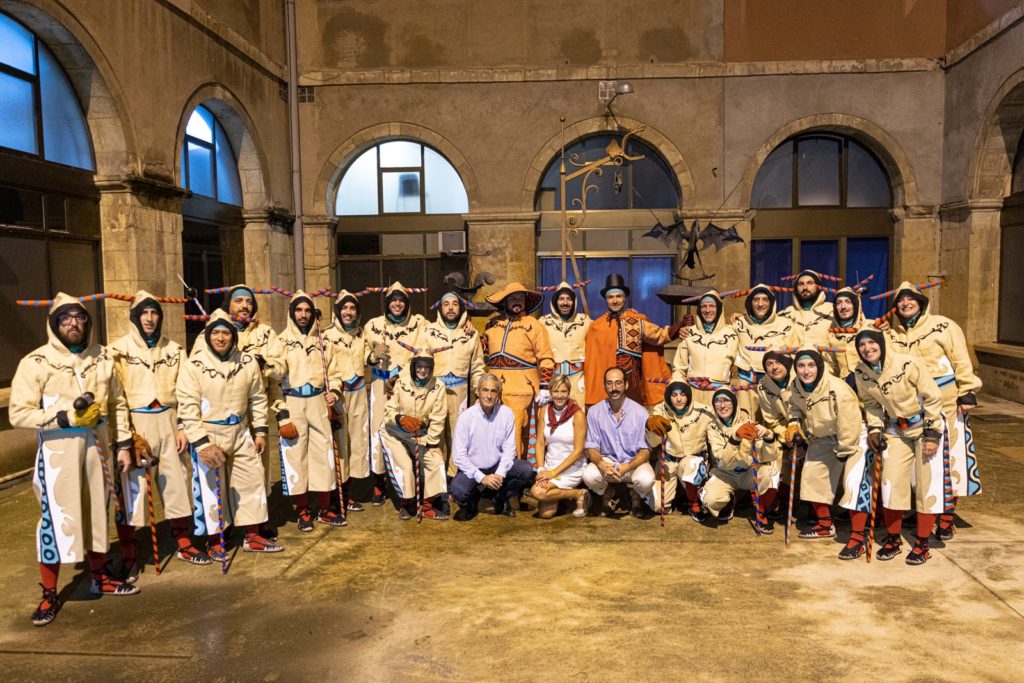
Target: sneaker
<point>582,504</point>
<point>47,609</point>
<point>193,555</point>
<point>945,533</point>
<point>258,544</point>
<point>354,506</point>
<point>852,550</point>
<point>107,585</point>
<point>378,497</point>
<point>404,514</point>
<point>890,549</point>
<point>767,527</point>
<point>305,521</point>
<point>818,531</point>
<point>132,570</point>
<point>699,515</point>
<point>727,512</point>
<point>919,554</point>
<point>331,518</point>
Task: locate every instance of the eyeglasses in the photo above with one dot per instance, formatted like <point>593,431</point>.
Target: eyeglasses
<point>65,318</point>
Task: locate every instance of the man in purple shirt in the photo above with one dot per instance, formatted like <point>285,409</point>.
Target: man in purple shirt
<point>484,450</point>
<point>617,444</point>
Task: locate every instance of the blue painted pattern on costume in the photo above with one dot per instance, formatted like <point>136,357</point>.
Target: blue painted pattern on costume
<point>863,503</point>
<point>702,474</point>
<point>973,476</point>
<point>120,516</point>
<point>199,511</point>
<point>284,475</point>
<point>391,472</point>
<point>48,551</point>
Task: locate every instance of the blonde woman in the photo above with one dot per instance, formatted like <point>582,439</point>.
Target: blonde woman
<point>561,435</point>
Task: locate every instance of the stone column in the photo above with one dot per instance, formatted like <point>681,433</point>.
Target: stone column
<point>970,259</point>
<point>140,229</point>
<point>916,248</point>
<point>504,245</point>
<point>321,258</point>
<point>268,260</point>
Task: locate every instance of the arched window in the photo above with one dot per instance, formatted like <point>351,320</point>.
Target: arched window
<point>1011,255</point>
<point>823,203</point>
<point>1017,182</point>
<point>626,203</point>
<point>208,163</point>
<point>49,205</point>
<point>399,206</point>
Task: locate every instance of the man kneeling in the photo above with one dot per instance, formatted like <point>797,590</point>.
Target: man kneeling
<point>484,450</point>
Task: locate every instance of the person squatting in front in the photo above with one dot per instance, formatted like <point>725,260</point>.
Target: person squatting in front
<point>681,429</point>
<point>732,437</point>
<point>903,408</point>
<point>824,413</point>
<point>411,436</point>
<point>148,363</point>
<point>617,444</point>
<point>220,396</point>
<point>485,452</point>
<point>773,389</point>
<point>69,392</point>
<point>561,436</point>
<point>302,405</point>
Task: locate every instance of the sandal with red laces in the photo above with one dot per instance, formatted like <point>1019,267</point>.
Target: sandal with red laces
<point>890,549</point>
<point>945,532</point>
<point>47,609</point>
<point>217,553</point>
<point>305,521</point>
<point>107,585</point>
<point>434,513</point>
<point>354,506</point>
<point>919,554</point>
<point>818,531</point>
<point>193,555</point>
<point>258,544</point>
<point>852,550</point>
<point>331,518</point>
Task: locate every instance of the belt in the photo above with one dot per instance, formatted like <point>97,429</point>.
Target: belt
<point>905,423</point>
<point>150,411</point>
<point>305,391</point>
<point>503,361</point>
<point>452,381</point>
<point>670,458</point>
<point>355,384</point>
<point>570,367</point>
<point>377,373</point>
<point>231,420</point>
<point>945,380</point>
<point>746,375</point>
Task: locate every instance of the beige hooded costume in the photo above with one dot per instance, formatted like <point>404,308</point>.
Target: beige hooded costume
<point>568,338</point>
<point>351,351</point>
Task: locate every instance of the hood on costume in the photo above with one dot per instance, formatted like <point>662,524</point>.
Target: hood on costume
<point>343,297</point>
<point>298,297</point>
<point>817,280</point>
<point>397,291</point>
<point>781,358</point>
<point>63,303</point>
<point>240,289</point>
<point>877,336</point>
<point>854,296</point>
<point>422,358</point>
<point>497,299</point>
<point>567,288</point>
<point>760,289</point>
<point>819,362</point>
<point>220,318</point>
<point>672,388</point>
<point>144,300</point>
<point>732,399</point>
<point>461,320</point>
<point>716,297</point>
<point>908,289</point>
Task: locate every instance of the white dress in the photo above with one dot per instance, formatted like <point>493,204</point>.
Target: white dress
<point>558,447</point>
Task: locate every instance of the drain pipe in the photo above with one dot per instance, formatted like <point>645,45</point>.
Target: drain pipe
<point>293,126</point>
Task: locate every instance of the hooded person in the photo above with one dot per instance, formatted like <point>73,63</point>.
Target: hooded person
<point>732,437</point>
<point>388,358</point>
<point>940,345</point>
<point>903,410</point>
<point>73,457</point>
<point>847,320</point>
<point>760,325</point>
<point>458,361</point>
<point>352,413</point>
<point>709,348</point>
<point>567,330</point>
<point>824,412</point>
<point>303,415</point>
<point>148,364</point>
<point>810,313</point>
<point>518,352</point>
<point>222,404</point>
<point>411,434</point>
<point>681,428</point>
<point>772,393</point>
<point>625,338</point>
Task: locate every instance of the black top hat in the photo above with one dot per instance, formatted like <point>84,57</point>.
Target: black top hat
<point>614,281</point>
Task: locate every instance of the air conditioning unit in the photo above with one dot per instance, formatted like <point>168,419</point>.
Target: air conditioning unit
<point>451,242</point>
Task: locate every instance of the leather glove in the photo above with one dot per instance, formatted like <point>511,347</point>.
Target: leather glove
<point>287,431</point>
<point>688,320</point>
<point>659,425</point>
<point>876,441</point>
<point>543,397</point>
<point>212,456</point>
<point>89,417</point>
<point>673,331</point>
<point>792,432</point>
<point>409,424</point>
<point>142,453</point>
<point>380,351</point>
<point>389,386</point>
<point>747,430</point>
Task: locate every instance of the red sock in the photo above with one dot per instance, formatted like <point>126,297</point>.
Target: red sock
<point>324,499</point>
<point>765,500</point>
<point>858,520</point>
<point>691,496</point>
<point>301,501</point>
<point>180,532</point>
<point>252,530</point>
<point>126,534</point>
<point>925,524</point>
<point>96,562</point>
<point>893,520</point>
<point>823,511</point>
<point>48,574</point>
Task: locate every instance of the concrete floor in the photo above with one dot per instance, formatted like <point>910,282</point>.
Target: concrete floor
<point>522,599</point>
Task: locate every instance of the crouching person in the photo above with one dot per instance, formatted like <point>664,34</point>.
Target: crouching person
<point>484,450</point>
<point>903,408</point>
<point>561,436</point>
<point>220,397</point>
<point>732,437</point>
<point>411,435</point>
<point>617,444</point>
<point>682,429</point>
<point>68,391</point>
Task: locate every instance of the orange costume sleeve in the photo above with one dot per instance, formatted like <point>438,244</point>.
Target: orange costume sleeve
<point>602,345</point>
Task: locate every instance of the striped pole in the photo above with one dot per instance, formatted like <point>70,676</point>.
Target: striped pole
<point>220,523</point>
<point>416,469</point>
<point>876,467</point>
<point>947,483</point>
<point>108,474</point>
<point>754,493</point>
<point>152,517</point>
<point>790,520</point>
<point>662,476</point>
<point>338,473</point>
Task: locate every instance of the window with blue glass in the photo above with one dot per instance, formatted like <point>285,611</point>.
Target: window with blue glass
<point>645,275</point>
<point>39,111</point>
<point>208,163</point>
